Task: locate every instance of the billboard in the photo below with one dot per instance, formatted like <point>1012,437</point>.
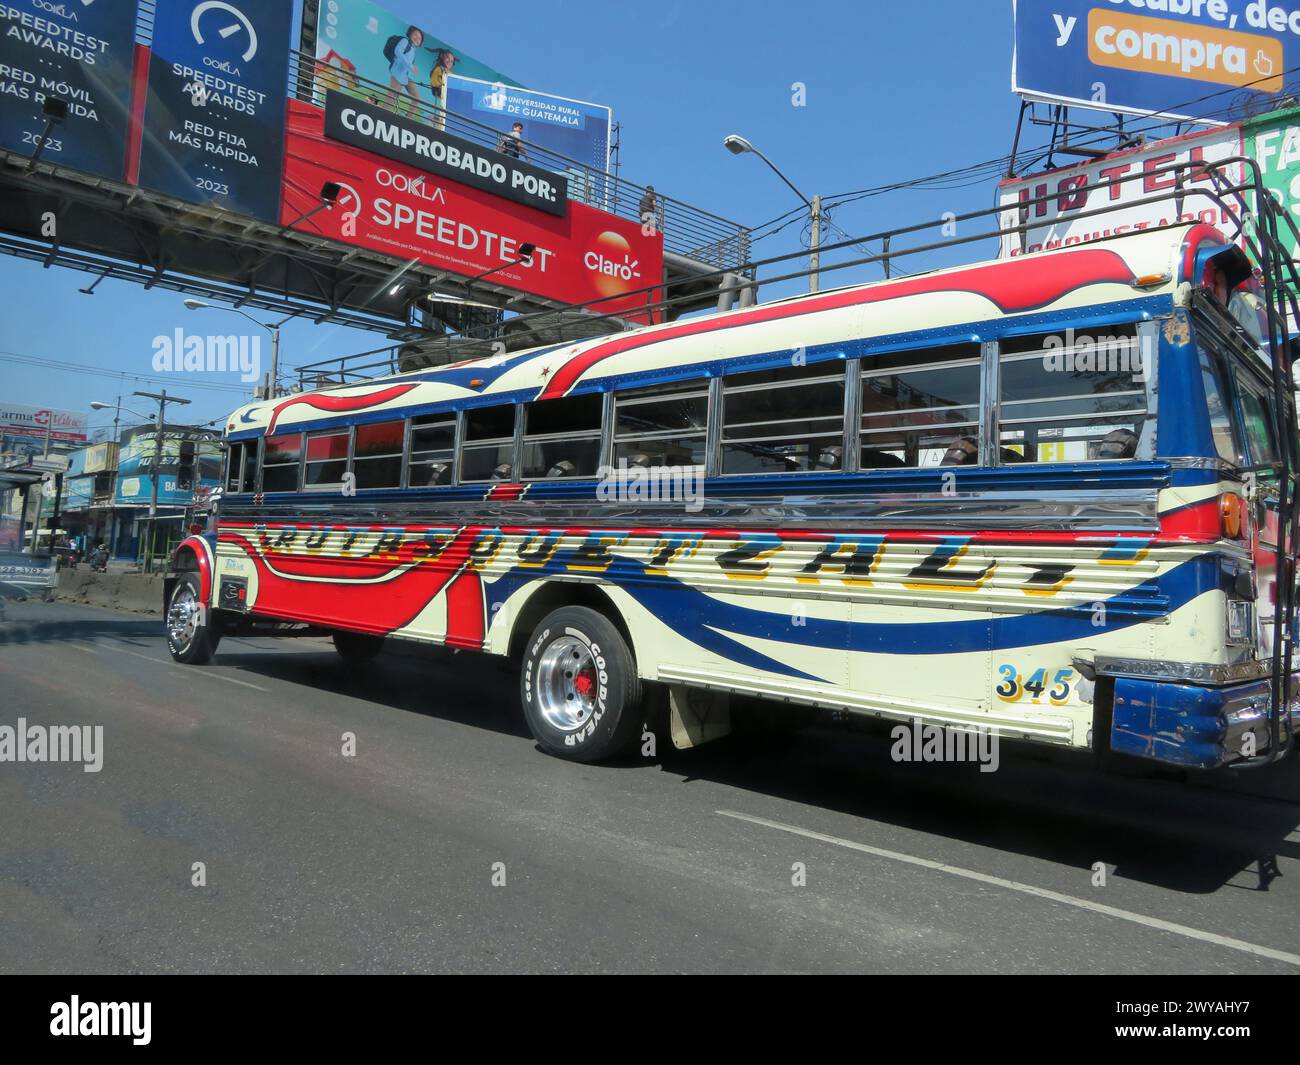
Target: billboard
<point>20,421</point>
<point>575,129</point>
<point>404,211</point>
<point>1273,141</point>
<point>79,53</point>
<point>358,39</point>
<point>1181,58</point>
<point>214,118</point>
<point>136,470</point>
<point>364,125</point>
<point>1140,203</point>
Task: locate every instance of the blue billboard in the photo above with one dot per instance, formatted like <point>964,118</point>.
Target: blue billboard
<point>214,119</point>
<point>1198,59</point>
<point>137,468</point>
<point>81,54</point>
<point>575,129</point>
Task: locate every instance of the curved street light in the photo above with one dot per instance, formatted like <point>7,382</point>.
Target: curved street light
<point>738,145</point>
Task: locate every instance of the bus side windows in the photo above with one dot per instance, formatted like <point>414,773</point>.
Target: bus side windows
<point>921,408</point>
<point>562,437</point>
<point>327,459</point>
<point>281,457</point>
<point>784,421</point>
<point>662,426</point>
<point>1084,403</point>
<point>377,454</point>
<point>488,453</point>
<point>433,448</point>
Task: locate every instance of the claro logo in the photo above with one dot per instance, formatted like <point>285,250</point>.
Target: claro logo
<point>611,260</point>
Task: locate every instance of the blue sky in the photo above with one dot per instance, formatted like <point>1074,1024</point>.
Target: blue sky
<point>892,91</point>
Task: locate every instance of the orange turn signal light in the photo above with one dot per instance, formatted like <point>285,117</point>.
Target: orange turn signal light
<point>1232,515</point>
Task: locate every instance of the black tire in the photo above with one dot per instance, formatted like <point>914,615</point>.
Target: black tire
<point>357,646</point>
<point>191,645</point>
<point>603,699</point>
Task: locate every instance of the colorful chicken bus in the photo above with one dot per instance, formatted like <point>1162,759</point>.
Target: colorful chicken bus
<point>1028,496</point>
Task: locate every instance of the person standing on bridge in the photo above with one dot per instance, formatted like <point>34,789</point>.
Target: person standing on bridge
<point>512,143</point>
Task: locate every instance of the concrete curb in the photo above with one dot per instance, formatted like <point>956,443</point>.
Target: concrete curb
<point>139,592</point>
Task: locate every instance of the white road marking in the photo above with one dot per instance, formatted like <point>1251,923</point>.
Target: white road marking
<point>1026,889</point>
<point>195,672</point>
<point>83,647</point>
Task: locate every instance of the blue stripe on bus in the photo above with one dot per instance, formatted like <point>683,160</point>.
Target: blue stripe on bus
<point>1122,312</point>
<point>693,614</point>
<point>1029,478</point>
<point>711,624</point>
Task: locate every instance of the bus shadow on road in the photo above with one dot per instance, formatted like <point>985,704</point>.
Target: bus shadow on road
<point>465,688</point>
<point>1165,831</point>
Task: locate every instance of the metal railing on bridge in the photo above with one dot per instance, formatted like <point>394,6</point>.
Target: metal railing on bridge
<point>688,231</point>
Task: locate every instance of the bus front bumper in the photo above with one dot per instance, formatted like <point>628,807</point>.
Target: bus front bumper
<point>1194,726</point>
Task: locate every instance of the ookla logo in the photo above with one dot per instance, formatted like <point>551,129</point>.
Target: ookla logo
<point>224,27</point>
<point>61,10</point>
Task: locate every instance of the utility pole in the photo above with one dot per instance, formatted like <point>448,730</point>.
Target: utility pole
<point>163,399</point>
<point>815,259</point>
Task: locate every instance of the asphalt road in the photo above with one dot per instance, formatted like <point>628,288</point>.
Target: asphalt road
<point>385,860</point>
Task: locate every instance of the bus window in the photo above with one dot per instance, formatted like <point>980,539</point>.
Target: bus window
<point>1258,423</point>
<point>433,445</point>
<point>489,450</point>
<point>562,437</point>
<point>1081,403</point>
<point>1218,399</point>
<point>918,406</point>
<point>784,421</point>
<point>327,459</point>
<point>281,455</point>
<point>249,481</point>
<point>234,467</point>
<point>377,454</point>
<point>661,427</point>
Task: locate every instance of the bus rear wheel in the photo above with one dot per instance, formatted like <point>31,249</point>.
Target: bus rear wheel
<point>191,637</point>
<point>578,684</point>
<point>357,646</point>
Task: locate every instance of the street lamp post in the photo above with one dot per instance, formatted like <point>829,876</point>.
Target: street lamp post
<point>273,388</point>
<point>738,145</point>
<point>163,399</point>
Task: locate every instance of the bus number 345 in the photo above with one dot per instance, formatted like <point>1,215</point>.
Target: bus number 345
<point>1037,685</point>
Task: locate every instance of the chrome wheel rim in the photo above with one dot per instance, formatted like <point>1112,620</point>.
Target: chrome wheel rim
<point>567,682</point>
<point>183,617</point>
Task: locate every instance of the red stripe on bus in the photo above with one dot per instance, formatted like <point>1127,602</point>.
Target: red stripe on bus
<point>339,404</point>
<point>1013,286</point>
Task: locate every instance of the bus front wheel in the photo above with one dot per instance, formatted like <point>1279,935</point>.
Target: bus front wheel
<point>191,636</point>
<point>578,683</point>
